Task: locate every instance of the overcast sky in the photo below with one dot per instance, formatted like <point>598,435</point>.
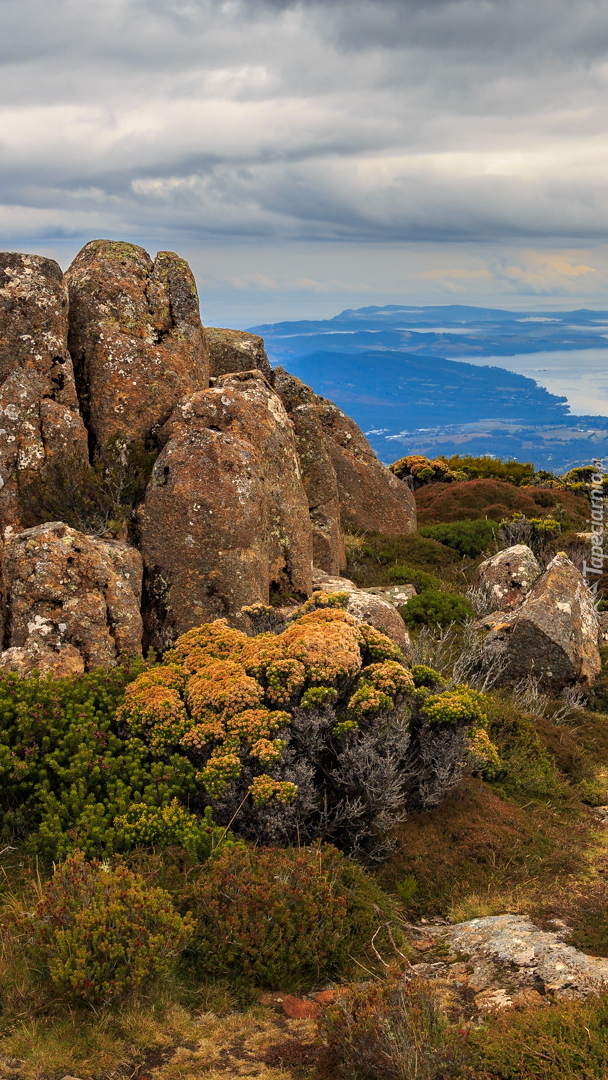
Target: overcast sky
<point>307,157</point>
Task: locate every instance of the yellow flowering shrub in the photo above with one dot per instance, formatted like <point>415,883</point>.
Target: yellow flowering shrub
<point>301,733</point>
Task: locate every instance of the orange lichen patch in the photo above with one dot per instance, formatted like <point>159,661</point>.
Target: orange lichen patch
<point>255,724</point>
<point>389,676</point>
<point>211,641</point>
<point>221,688</point>
<point>285,678</point>
<point>328,648</point>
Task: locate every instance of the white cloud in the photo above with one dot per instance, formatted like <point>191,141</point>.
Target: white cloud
<point>399,122</point>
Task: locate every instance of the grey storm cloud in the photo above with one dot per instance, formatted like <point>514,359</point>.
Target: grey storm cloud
<point>477,120</point>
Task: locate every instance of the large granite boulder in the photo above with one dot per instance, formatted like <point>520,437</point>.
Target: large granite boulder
<point>39,418</point>
<point>552,636</point>
<point>371,498</point>
<point>505,579</point>
<point>72,601</point>
<point>136,338</point>
<point>235,350</point>
<point>225,517</point>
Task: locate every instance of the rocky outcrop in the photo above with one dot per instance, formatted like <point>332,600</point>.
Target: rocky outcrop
<point>370,497</point>
<point>318,472</point>
<point>553,635</point>
<point>136,339</point>
<point>39,418</point>
<point>369,608</point>
<point>225,516</point>
<point>72,601</point>
<point>508,953</point>
<point>236,350</point>
<point>505,579</point>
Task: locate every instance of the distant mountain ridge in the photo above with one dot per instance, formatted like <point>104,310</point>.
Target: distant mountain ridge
<point>397,371</point>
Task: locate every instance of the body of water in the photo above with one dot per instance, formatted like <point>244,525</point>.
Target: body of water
<point>580,375</point>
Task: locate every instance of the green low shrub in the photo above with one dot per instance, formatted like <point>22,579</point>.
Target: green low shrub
<point>469,538</point>
<point>401,574</point>
<point>94,498</point>
<point>160,827</point>
<point>285,918</point>
<point>66,769</point>
<point>437,608</point>
<point>100,934</point>
<point>514,472</point>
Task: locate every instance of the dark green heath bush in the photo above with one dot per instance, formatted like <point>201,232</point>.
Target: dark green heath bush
<point>436,608</point>
<point>468,538</point>
<point>402,574</point>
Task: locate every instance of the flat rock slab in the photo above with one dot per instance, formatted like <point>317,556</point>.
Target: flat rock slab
<point>510,952</point>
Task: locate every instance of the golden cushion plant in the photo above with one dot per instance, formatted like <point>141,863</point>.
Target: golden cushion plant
<point>302,734</point>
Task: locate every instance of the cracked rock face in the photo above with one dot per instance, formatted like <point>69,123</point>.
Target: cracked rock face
<point>506,578</point>
<point>136,338</point>
<point>39,416</point>
<point>553,635</point>
<point>336,456</point>
<point>236,350</point>
<point>72,601</point>
<point>318,472</point>
<point>225,513</point>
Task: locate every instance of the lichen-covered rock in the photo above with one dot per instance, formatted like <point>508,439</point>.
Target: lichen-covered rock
<point>225,516</point>
<point>506,578</point>
<point>235,350</point>
<point>370,496</point>
<point>39,417</point>
<point>60,663</point>
<point>510,952</point>
<point>369,608</point>
<point>398,595</point>
<point>552,636</point>
<point>136,338</point>
<point>318,472</point>
<point>70,595</point>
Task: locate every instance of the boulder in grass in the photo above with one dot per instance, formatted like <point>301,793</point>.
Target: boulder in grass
<point>552,636</point>
<point>505,579</point>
